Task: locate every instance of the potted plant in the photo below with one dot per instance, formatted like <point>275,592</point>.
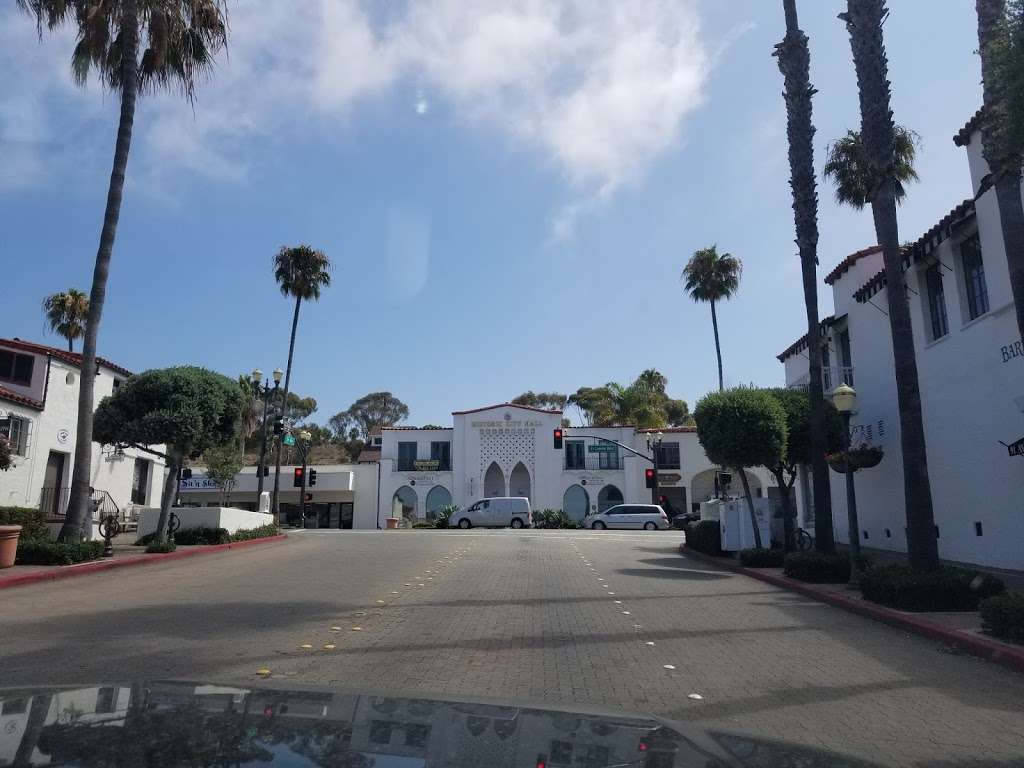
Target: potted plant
<point>8,533</point>
<point>862,457</point>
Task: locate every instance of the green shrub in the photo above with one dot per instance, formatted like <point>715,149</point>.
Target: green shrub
<point>817,567</point>
<point>156,547</point>
<point>51,552</point>
<point>201,535</point>
<point>704,536</point>
<point>553,518</point>
<point>946,589</point>
<point>244,534</point>
<point>32,521</point>
<point>1003,616</point>
<point>762,558</point>
<point>444,515</point>
<point>424,524</point>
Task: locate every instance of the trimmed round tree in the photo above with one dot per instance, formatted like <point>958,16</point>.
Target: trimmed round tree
<point>742,428</point>
<point>188,409</point>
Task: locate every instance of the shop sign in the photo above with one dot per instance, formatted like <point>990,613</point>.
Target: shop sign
<point>198,484</point>
<point>669,478</point>
<point>426,465</point>
<point>1016,448</point>
<point>1010,351</point>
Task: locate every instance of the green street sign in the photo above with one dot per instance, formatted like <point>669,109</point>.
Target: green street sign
<point>602,448</point>
<point>289,440</point>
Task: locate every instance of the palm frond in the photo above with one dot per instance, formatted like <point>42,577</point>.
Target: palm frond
<point>855,181</point>
<point>710,276</point>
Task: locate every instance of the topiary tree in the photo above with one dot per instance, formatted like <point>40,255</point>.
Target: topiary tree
<point>741,428</point>
<point>188,409</point>
<point>223,462</point>
<point>797,405</point>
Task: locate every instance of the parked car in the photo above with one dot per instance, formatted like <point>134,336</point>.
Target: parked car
<point>647,516</point>
<point>496,512</point>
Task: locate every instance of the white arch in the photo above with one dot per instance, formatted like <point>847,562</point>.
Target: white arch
<point>609,496</point>
<point>576,502</point>
<point>438,497</point>
<point>403,504</point>
<point>519,481</point>
<point>494,481</point>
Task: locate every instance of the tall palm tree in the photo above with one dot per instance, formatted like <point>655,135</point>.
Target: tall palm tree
<point>794,59</point>
<point>864,20</point>
<point>712,277</point>
<point>300,272</point>
<point>182,37</point>
<point>252,410</point>
<point>849,170</point>
<point>1000,137</point>
<point>66,313</point>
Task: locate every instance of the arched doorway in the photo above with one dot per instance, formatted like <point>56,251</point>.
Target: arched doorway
<point>437,498</point>
<point>608,497</point>
<point>576,502</point>
<point>494,481</point>
<point>519,481</point>
<point>403,505</point>
<point>702,487</point>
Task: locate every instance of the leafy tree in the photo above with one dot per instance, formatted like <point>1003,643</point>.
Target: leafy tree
<point>223,463</point>
<point>794,59</point>
<point>864,19</point>
<point>713,277</point>
<point>552,401</point>
<point>596,405</point>
<point>1001,44</point>
<point>644,403</point>
<point>847,166</point>
<point>797,406</point>
<point>742,428</point>
<point>369,414</point>
<point>181,38</point>
<point>301,272</point>
<point>188,409</point>
<point>66,313</point>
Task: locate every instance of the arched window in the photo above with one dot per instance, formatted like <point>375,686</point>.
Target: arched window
<point>608,497</point>
<point>494,481</point>
<point>437,498</point>
<point>519,481</point>
<point>403,504</point>
<point>576,502</point>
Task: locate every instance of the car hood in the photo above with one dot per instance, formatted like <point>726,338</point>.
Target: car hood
<point>172,723</point>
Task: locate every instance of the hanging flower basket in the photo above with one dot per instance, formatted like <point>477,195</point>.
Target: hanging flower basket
<point>863,457</point>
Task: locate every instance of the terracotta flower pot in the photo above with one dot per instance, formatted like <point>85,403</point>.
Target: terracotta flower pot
<point>8,544</point>
<point>392,522</point>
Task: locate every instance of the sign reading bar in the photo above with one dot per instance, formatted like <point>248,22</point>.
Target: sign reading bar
<point>1016,448</point>
<point>426,465</point>
<point>603,448</point>
<point>669,477</point>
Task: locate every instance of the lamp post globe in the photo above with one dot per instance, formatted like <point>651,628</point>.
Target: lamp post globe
<point>278,374</point>
<point>256,376</point>
<point>844,398</point>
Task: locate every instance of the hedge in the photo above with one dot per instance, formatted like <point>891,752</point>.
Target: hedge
<point>157,547</point>
<point>817,567</point>
<point>762,558</point>
<point>204,536</point>
<point>32,521</point>
<point>704,536</point>
<point>244,534</point>
<point>553,518</point>
<point>945,589</point>
<point>51,552</point>
<point>1002,616</point>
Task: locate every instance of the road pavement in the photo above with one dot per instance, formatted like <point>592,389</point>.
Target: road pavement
<point>614,620</point>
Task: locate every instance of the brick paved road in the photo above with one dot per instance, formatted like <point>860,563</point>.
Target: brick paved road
<point>542,616</point>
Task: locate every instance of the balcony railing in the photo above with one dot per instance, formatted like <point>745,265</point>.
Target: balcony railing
<point>594,462</point>
<point>53,501</point>
<point>830,379</point>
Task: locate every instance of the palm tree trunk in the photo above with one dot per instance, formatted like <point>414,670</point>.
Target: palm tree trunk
<point>78,513</point>
<point>284,407</point>
<point>175,457</point>
<point>750,507</point>
<point>71,345</point>
<point>1006,170</point>
<point>718,348</point>
<point>794,59</point>
<point>864,21</point>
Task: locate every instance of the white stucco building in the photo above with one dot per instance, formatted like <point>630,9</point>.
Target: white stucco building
<point>971,369</point>
<point>38,415</point>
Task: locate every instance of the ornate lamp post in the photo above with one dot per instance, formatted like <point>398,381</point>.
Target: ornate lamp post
<point>844,398</point>
<point>257,379</point>
<point>654,445</point>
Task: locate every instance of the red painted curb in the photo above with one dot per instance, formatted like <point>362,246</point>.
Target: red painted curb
<point>977,645</point>
<point>63,572</point>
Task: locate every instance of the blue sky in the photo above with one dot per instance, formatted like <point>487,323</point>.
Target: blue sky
<point>508,191</point>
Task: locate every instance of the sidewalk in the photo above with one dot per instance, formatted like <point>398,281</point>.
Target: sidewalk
<point>959,629</point>
<point>125,555</point>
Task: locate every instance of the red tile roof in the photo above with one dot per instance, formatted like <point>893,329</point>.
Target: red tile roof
<point>61,354</point>
<point>368,456</point>
<point>801,343</point>
<point>504,405</point>
<point>668,429</point>
<point>963,136</point>
<point>429,429</point>
<point>843,266</point>
<point>14,397</point>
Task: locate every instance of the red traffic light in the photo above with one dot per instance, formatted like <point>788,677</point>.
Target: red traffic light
<point>558,439</point>
<point>308,498</point>
<point>297,479</point>
<point>649,477</point>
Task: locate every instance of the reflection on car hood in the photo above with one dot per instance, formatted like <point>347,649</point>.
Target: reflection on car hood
<point>197,724</point>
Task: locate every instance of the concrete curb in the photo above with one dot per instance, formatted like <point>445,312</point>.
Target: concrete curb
<point>977,645</point>
<point>66,571</point>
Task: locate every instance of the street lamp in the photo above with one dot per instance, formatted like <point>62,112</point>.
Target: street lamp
<point>844,398</point>
<point>304,439</point>
<point>257,379</point>
<point>654,445</point>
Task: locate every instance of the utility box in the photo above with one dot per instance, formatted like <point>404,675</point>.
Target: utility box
<point>711,510</point>
<point>736,529</point>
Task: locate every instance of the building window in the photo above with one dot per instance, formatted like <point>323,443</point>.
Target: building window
<point>668,456</point>
<point>974,277</point>
<point>15,430</point>
<point>574,454</point>
<point>406,457</point>
<point>441,452</point>
<point>15,368</point>
<point>847,357</point>
<point>608,460</point>
<point>140,482</point>
<point>417,735</point>
<point>936,301</point>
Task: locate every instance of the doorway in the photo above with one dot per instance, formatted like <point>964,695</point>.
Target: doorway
<point>53,482</point>
<point>345,519</point>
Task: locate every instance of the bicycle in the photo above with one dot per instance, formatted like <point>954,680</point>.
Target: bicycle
<point>802,540</point>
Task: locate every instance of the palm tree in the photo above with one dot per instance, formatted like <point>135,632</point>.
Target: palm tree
<point>182,37</point>
<point>301,272</point>
<point>794,60</point>
<point>849,170</point>
<point>864,20</point>
<point>66,313</point>
<point>712,277</point>
<point>1000,134</point>
<point>252,411</point>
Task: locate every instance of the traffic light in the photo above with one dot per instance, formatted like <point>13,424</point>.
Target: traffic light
<point>649,477</point>
<point>278,427</point>
<point>311,480</point>
<point>266,470</point>
<point>558,439</point>
<point>308,498</point>
<point>186,473</point>
<point>297,479</point>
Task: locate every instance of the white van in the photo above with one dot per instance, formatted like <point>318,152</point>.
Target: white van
<point>496,512</point>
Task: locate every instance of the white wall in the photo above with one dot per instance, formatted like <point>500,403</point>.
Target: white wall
<point>229,518</point>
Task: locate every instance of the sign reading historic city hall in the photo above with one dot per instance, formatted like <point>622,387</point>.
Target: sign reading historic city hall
<point>1016,448</point>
